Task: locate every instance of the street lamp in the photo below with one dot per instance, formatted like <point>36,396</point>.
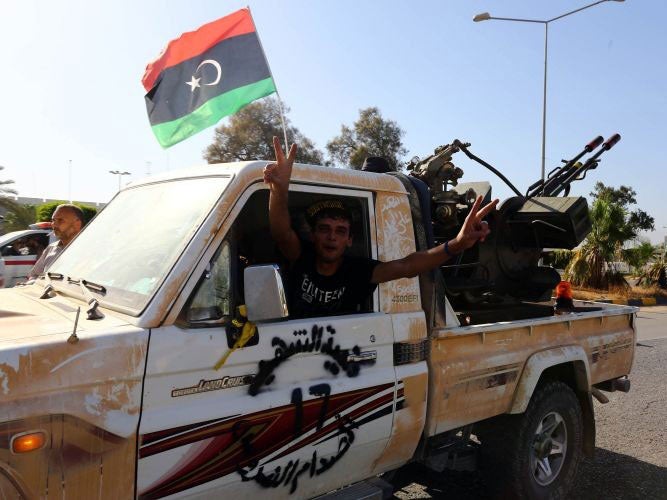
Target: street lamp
<point>485,16</point>
<point>119,174</point>
<point>69,181</point>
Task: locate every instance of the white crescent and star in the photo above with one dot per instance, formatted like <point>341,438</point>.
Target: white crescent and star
<point>194,82</point>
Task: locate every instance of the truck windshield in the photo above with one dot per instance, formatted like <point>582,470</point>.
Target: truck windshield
<point>133,243</point>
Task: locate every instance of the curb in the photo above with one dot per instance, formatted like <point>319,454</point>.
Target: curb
<point>646,301</point>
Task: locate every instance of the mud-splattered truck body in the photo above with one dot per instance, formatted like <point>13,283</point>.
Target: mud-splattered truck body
<point>107,380</point>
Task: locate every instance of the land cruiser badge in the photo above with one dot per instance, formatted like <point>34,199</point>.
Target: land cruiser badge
<point>214,385</point>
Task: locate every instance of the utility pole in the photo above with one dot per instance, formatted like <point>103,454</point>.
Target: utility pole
<point>485,16</point>
<point>69,181</point>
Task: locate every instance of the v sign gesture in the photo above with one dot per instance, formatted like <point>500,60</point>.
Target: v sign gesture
<point>474,229</point>
<point>278,174</point>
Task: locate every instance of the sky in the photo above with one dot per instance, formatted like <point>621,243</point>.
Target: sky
<point>72,105</point>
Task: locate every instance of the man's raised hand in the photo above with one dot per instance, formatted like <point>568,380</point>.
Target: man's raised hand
<point>278,173</point>
<point>474,229</point>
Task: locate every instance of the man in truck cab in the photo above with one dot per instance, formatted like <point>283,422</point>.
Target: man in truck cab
<point>322,279</point>
<point>67,220</point>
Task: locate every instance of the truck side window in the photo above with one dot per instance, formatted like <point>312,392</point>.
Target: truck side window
<point>252,235</point>
<point>221,289</point>
<point>212,298</point>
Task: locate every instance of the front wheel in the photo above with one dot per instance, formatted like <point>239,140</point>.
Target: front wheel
<point>536,455</point>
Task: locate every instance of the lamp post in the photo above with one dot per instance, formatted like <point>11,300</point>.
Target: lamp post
<point>69,181</point>
<point>485,16</point>
<point>119,174</point>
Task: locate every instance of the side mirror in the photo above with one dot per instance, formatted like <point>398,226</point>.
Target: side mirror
<point>264,293</point>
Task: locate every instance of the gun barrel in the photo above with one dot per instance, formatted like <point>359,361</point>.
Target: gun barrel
<point>611,142</point>
<point>590,163</point>
<point>594,143</point>
<point>552,184</point>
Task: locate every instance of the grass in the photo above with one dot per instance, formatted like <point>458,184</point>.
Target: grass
<point>633,292</point>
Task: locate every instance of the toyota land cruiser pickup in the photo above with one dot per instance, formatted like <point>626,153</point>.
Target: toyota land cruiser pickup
<point>160,360</point>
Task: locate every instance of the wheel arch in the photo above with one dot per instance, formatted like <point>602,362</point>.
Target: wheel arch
<point>13,478</point>
<point>569,364</point>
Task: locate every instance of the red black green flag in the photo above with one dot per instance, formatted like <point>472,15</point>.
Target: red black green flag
<point>205,75</point>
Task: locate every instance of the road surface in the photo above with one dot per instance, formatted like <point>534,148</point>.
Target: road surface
<point>652,324</point>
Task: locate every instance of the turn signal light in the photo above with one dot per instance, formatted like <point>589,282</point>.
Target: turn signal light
<point>31,441</point>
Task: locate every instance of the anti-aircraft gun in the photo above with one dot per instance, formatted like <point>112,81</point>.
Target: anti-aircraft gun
<point>504,273</point>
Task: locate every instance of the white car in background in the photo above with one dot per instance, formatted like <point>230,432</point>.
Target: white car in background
<point>19,250</point>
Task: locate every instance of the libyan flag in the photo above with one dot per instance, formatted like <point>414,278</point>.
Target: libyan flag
<point>205,75</point>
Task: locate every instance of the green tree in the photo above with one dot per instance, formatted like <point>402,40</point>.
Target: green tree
<point>637,220</point>
<point>655,272</point>
<point>609,231</point>
<point>370,135</point>
<point>612,225</point>
<point>638,256</point>
<point>45,211</point>
<point>5,191</point>
<point>19,217</point>
<point>249,136</point>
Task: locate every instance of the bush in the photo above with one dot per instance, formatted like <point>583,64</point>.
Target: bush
<point>45,211</point>
<point>655,273</point>
<point>558,258</point>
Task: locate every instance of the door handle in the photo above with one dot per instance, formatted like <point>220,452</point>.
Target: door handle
<point>362,357</point>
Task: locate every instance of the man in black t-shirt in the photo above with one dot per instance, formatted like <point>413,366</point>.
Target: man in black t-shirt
<point>311,293</point>
<point>324,281</point>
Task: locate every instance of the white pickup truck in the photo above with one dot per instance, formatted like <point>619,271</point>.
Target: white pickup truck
<point>108,379</point>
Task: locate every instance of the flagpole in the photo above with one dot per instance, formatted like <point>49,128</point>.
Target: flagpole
<point>280,102</point>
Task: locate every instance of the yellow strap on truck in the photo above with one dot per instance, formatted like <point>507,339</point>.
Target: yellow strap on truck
<point>246,334</point>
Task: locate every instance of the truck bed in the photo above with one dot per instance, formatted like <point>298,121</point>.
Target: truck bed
<point>475,371</point>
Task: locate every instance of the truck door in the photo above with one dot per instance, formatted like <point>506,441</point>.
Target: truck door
<point>318,417</point>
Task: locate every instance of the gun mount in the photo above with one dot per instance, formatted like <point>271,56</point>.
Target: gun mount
<point>438,172</point>
<point>506,267</point>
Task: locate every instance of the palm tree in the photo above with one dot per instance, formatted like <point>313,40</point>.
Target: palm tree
<point>656,272</point>
<point>19,217</point>
<point>602,245</point>
<point>638,256</point>
<point>6,202</point>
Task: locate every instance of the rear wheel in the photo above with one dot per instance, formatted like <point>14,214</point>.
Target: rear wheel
<point>536,455</point>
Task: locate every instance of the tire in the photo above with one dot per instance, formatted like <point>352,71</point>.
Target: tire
<point>535,455</point>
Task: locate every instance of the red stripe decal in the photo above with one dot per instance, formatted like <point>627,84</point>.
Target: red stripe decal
<point>367,408</point>
<point>20,262</point>
<point>242,440</point>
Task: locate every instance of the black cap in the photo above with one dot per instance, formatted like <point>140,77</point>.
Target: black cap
<point>327,208</point>
<point>376,164</point>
